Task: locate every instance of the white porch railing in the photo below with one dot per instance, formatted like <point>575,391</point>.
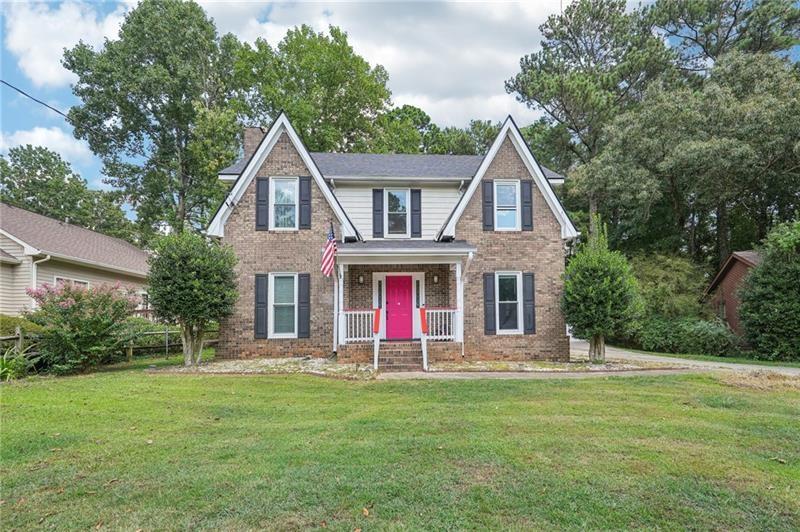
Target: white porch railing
<point>442,324</point>
<point>358,325</point>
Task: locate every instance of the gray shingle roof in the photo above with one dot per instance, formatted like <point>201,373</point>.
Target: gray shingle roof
<point>51,236</point>
<point>392,165</point>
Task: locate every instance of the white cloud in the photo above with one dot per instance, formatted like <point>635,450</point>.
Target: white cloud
<point>71,149</point>
<point>451,57</point>
<point>38,33</point>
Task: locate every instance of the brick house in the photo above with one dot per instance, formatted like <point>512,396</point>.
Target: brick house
<point>723,292</point>
<point>440,257</point>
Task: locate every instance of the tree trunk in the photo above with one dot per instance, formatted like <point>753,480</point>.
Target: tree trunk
<point>723,236</point>
<point>592,215</point>
<point>192,340</point>
<point>597,349</point>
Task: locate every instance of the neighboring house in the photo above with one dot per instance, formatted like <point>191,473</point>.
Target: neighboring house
<point>477,242</point>
<point>723,292</point>
<point>37,250</point>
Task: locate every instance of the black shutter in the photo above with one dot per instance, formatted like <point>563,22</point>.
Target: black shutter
<point>488,304</point>
<point>377,213</point>
<point>262,203</point>
<point>488,204</point>
<point>528,304</point>
<point>303,305</point>
<point>262,309</point>
<point>305,202</point>
<point>416,213</point>
<point>527,205</point>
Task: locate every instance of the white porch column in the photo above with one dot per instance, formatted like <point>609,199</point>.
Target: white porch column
<point>459,304</point>
<point>340,295</point>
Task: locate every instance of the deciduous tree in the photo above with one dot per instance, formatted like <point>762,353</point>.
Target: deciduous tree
<point>154,106</point>
<point>39,180</point>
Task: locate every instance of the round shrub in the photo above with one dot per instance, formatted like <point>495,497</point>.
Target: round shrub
<point>770,295</point>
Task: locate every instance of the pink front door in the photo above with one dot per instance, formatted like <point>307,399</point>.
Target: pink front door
<point>399,313</point>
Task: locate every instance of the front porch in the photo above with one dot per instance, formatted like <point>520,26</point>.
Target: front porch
<point>392,299</point>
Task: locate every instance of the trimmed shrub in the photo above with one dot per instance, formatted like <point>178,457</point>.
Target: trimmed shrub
<point>688,335</point>
<point>600,293</point>
<point>770,309</point>
<point>83,327</point>
<point>9,324</point>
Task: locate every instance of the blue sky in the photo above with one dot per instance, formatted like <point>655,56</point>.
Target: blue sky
<point>449,58</point>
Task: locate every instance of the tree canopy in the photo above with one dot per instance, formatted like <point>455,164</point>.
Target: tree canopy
<point>154,108</point>
<point>333,95</point>
<point>702,31</point>
<point>705,170</point>
<point>39,180</point>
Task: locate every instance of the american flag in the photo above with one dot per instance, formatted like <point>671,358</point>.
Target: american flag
<point>329,254</point>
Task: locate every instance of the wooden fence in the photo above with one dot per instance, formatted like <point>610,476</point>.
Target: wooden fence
<point>170,342</point>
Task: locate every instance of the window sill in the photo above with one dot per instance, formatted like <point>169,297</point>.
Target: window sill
<point>508,332</point>
<point>282,336</point>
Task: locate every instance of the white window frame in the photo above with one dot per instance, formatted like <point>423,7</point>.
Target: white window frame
<point>272,181</point>
<point>518,225</point>
<point>386,233</point>
<point>61,279</point>
<point>271,307</point>
<point>518,276</point>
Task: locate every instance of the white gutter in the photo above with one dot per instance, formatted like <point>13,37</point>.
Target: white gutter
<point>34,270</point>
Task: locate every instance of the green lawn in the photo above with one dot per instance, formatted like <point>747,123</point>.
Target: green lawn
<point>127,449</point>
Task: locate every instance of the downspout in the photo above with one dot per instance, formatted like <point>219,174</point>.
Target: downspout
<point>34,264</point>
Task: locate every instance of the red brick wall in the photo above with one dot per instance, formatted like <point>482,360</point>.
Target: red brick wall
<point>540,251</point>
<point>278,251</point>
<point>727,291</point>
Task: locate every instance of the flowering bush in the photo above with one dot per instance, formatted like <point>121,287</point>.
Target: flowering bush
<point>82,327</point>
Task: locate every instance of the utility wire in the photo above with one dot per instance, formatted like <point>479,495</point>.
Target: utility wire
<point>67,118</point>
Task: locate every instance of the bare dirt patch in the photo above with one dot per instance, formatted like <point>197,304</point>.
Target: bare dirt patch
<point>761,380</point>
<point>576,364</point>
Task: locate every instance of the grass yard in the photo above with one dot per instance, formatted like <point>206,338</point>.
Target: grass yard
<point>128,449</point>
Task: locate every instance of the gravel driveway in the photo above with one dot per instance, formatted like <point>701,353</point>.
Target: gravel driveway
<point>581,347</point>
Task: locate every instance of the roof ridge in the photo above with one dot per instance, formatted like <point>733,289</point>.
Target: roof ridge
<point>68,224</point>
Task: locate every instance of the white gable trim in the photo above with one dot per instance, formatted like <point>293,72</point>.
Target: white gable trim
<point>281,125</point>
<point>27,249</point>
<point>511,130</point>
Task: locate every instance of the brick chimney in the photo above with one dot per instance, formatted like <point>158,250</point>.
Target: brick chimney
<point>252,137</point>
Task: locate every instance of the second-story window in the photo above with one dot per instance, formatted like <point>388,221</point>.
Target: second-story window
<point>397,212</point>
<point>506,206</point>
<point>283,203</point>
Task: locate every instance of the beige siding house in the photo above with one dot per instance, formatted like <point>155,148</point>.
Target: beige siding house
<point>36,250</point>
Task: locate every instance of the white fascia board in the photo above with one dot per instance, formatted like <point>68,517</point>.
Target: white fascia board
<point>509,128</point>
<point>27,249</point>
<point>281,124</point>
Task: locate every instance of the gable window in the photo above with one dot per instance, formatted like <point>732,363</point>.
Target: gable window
<point>283,202</point>
<point>283,305</point>
<point>506,206</point>
<point>397,213</point>
<point>77,283</point>
<point>508,286</point>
